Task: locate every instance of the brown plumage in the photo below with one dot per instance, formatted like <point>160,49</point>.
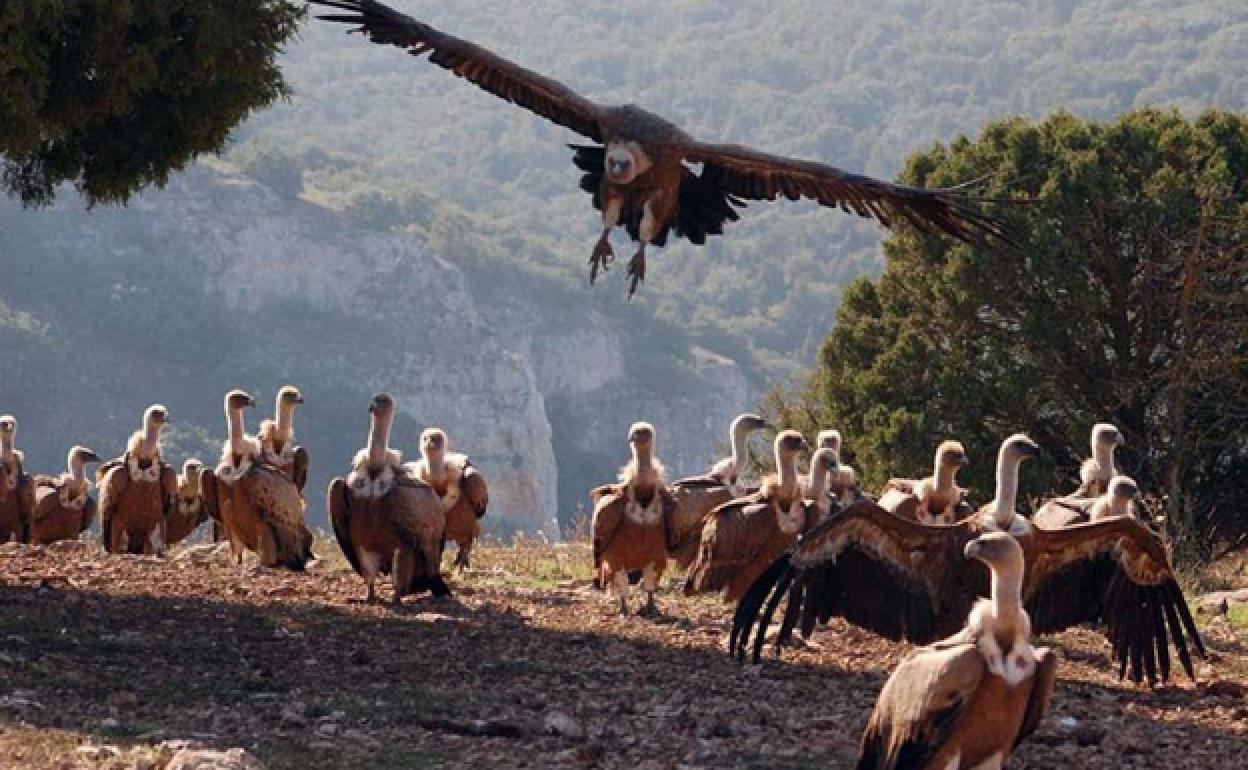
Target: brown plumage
<point>386,520</point>
<point>1121,498</point>
<point>640,173</point>
<point>64,508</point>
<point>956,704</point>
<point>17,489</point>
<point>277,438</point>
<point>189,510</point>
<point>459,484</point>
<point>936,499</point>
<point>742,538</point>
<point>696,496</point>
<point>137,491</point>
<point>1097,470</point>
<point>260,508</point>
<point>905,580</point>
<point>630,523</point>
<point>843,481</point>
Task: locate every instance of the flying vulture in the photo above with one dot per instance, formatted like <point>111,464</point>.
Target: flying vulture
<point>137,491</point>
<point>936,499</point>
<point>905,580</point>
<point>630,523</point>
<point>385,519</point>
<point>64,508</point>
<point>459,484</point>
<point>969,700</point>
<point>17,491</point>
<point>697,496</point>
<point>277,438</point>
<point>641,169</point>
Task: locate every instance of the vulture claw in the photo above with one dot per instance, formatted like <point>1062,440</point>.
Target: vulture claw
<point>637,271</point>
<point>602,257</point>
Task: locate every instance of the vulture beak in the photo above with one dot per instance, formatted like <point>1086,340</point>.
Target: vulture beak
<point>91,457</point>
<point>964,461</point>
<point>299,399</point>
<point>1119,439</point>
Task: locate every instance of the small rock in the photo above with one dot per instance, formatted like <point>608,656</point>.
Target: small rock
<point>209,759</point>
<point>97,753</point>
<point>327,729</point>
<point>559,723</point>
<point>1224,688</point>
<point>1088,735</point>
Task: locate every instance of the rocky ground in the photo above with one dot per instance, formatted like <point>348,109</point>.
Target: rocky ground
<point>108,661</point>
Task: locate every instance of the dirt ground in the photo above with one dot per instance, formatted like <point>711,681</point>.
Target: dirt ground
<point>103,658</point>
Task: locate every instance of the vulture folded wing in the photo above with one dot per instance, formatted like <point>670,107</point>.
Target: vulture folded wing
<point>492,73</point>
<point>737,536</point>
<point>1063,512</point>
<point>208,494</point>
<point>472,482</point>
<point>169,488</point>
<point>88,515</point>
<point>299,468</point>
<point>280,506</point>
<point>919,707</point>
<point>694,498</point>
<point>748,173</point>
<point>1113,572</point>
<point>608,514</point>
<point>892,576</point>
<point>112,486</point>
<point>1041,693</point>
<point>26,504</point>
<point>339,505</point>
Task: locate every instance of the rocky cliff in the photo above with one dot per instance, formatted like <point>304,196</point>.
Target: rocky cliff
<point>219,281</point>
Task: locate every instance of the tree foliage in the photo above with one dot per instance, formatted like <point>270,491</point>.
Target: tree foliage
<point>1129,304</point>
<point>113,96</point>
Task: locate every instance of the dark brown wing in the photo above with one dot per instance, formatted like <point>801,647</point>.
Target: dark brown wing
<point>475,490</point>
<point>112,486</point>
<point>299,468</point>
<point>894,577</point>
<point>546,97</point>
<point>748,173</point>
<point>735,537</point>
<point>340,517</point>
<point>88,515</point>
<point>1113,572</point>
<point>1041,693</point>
<point>608,513</point>
<point>26,503</point>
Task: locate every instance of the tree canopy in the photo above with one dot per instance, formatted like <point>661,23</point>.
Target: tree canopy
<point>113,96</point>
<point>1129,304</point>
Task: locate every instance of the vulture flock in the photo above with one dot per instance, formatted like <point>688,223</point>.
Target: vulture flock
<point>919,562</point>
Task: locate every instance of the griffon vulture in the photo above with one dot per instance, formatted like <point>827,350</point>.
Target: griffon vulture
<point>137,491</point>
<point>843,481</point>
<point>386,520</point>
<point>1097,470</point>
<point>259,507</point>
<point>64,508</point>
<point>905,580</point>
<point>967,701</point>
<point>17,490</point>
<point>697,496</point>
<point>459,485</point>
<point>1121,499</point>
<point>640,172</point>
<point>277,438</point>
<point>741,538</point>
<point>630,522</point>
<point>189,510</point>
<point>936,499</point>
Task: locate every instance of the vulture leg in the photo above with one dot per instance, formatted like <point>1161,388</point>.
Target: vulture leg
<point>603,254</point>
<point>650,584</point>
<point>403,573</point>
<point>461,557</point>
<point>370,566</point>
<point>637,265</point>
<point>620,579</point>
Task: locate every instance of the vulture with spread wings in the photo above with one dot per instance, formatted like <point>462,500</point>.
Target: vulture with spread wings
<point>640,171</point>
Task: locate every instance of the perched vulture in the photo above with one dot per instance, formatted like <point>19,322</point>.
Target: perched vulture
<point>260,508</point>
<point>969,700</point>
<point>386,520</point>
<point>17,490</point>
<point>189,510</point>
<point>631,521</point>
<point>64,508</point>
<point>843,480</point>
<point>137,491</point>
<point>741,538</point>
<point>1097,470</point>
<point>1121,499</point>
<point>277,438</point>
<point>640,169</point>
<point>459,485</point>
<point>697,496</point>
<point>936,499</point>
<point>905,580</point>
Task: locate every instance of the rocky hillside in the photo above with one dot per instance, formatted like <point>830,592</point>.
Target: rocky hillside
<point>219,281</point>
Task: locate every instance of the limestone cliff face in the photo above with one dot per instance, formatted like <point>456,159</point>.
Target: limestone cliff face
<point>218,282</point>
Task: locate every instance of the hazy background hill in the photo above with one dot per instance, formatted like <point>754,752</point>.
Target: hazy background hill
<point>393,227</point>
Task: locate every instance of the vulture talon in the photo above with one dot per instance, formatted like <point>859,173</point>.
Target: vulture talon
<point>637,271</point>
<point>603,256</point>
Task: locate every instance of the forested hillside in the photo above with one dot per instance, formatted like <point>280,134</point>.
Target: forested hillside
<point>858,83</point>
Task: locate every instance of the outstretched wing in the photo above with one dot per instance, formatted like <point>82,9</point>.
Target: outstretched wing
<point>894,577</point>
<point>340,518</point>
<point>748,173</point>
<point>548,98</point>
<point>1114,572</point>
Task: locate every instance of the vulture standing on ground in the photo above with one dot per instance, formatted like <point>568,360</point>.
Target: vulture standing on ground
<point>905,580</point>
<point>459,485</point>
<point>1121,499</point>
<point>17,489</point>
<point>137,491</point>
<point>64,508</point>
<point>697,496</point>
<point>843,481</point>
<point>259,507</point>
<point>189,510</point>
<point>640,172</point>
<point>969,700</point>
<point>630,522</point>
<point>936,499</point>
<point>1097,470</point>
<point>277,438</point>
<point>385,520</point>
<point>741,538</point>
